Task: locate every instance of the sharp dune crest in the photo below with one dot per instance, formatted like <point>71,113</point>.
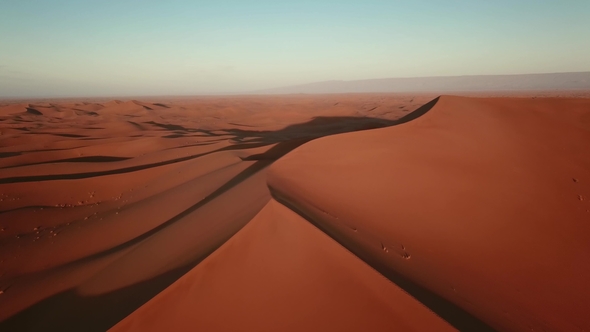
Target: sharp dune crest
<point>279,273</point>
<point>478,200</point>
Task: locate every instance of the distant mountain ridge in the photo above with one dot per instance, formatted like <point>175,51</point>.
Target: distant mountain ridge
<point>523,82</point>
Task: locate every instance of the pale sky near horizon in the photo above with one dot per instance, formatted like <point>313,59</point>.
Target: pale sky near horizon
<point>181,47</point>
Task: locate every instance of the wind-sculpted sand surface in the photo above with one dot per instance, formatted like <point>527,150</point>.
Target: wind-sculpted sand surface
<point>290,213</point>
<point>483,202</point>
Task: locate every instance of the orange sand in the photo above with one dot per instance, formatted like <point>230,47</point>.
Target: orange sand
<point>482,201</point>
<point>468,214</point>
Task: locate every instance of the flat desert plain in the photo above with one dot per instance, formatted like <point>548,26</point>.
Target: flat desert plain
<point>350,212</point>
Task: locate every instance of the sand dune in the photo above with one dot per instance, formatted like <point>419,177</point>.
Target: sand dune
<point>481,201</point>
<point>102,209</point>
<point>236,213</point>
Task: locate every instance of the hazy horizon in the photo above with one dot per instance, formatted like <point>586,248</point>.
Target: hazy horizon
<point>122,48</point>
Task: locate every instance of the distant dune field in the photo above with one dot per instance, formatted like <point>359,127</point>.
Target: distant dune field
<point>335,212</point>
<point>570,83</point>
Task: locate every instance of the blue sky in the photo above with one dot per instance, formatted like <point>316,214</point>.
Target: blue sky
<point>124,47</point>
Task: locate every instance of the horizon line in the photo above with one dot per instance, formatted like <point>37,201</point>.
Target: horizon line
<point>260,92</point>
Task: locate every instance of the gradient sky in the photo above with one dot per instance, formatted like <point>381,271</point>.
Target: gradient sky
<point>179,47</point>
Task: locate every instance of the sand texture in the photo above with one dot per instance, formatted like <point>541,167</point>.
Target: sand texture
<point>296,213</point>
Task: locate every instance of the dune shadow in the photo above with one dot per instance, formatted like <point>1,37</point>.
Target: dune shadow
<point>33,111</point>
<point>69,311</point>
<point>9,154</point>
<point>85,159</point>
<point>161,105</point>
<point>246,139</point>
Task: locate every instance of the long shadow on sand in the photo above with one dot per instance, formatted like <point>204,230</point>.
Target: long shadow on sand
<point>70,311</point>
<point>243,139</point>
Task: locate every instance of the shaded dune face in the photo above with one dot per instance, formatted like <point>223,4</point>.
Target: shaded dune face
<point>104,205</point>
<point>481,202</point>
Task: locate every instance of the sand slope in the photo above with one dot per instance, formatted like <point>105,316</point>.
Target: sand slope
<point>282,274</point>
<point>485,202</point>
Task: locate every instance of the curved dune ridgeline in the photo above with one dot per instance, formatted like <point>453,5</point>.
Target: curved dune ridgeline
<point>482,202</point>
<point>292,213</point>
